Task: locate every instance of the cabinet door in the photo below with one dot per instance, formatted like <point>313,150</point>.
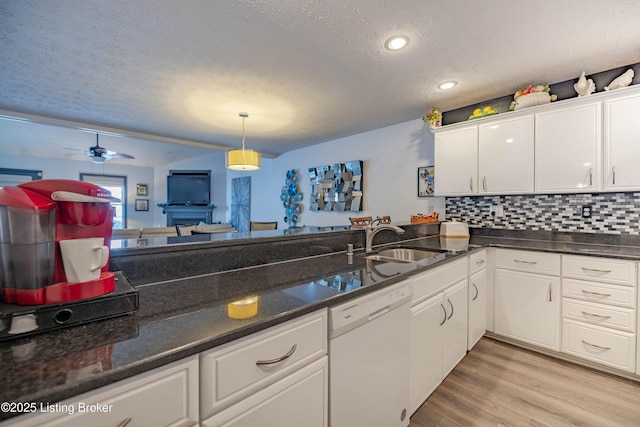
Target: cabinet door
<point>455,328</point>
<point>427,332</point>
<point>622,144</point>
<point>477,307</point>
<point>300,399</point>
<point>456,160</point>
<point>505,157</point>
<point>528,307</point>
<point>567,150</point>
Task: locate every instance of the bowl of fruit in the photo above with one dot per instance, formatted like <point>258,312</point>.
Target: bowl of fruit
<point>483,112</point>
<point>532,96</point>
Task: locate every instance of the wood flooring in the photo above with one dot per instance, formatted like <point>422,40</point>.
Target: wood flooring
<point>498,384</point>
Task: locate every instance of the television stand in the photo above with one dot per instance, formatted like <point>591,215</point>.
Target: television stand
<point>187,214</point>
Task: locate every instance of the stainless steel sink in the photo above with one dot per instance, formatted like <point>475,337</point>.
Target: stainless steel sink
<point>405,255</point>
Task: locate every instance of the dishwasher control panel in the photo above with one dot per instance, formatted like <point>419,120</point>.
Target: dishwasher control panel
<point>358,311</point>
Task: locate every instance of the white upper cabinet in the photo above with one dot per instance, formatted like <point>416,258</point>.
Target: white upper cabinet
<point>567,149</point>
<point>622,143</point>
<point>456,157</point>
<point>505,162</point>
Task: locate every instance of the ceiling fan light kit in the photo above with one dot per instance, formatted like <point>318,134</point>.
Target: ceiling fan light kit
<point>243,159</point>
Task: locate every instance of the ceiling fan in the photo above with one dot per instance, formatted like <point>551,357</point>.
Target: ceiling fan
<point>98,154</point>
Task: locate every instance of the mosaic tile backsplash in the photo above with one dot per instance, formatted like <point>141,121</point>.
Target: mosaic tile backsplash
<point>613,213</point>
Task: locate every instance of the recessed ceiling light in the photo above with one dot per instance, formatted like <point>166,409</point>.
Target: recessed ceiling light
<point>447,85</point>
<point>396,42</point>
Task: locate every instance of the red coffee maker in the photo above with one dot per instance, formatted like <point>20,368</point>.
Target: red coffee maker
<point>34,218</point>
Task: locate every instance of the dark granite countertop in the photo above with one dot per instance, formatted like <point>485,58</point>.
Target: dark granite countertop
<point>182,317</point>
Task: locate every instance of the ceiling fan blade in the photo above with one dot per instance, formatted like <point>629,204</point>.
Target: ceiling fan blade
<point>120,156</point>
<point>72,149</point>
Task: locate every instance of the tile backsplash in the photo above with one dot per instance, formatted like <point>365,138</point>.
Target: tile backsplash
<point>613,213</point>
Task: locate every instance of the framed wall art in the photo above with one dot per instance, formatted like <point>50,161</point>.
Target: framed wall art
<point>142,204</point>
<point>142,190</point>
<point>425,181</point>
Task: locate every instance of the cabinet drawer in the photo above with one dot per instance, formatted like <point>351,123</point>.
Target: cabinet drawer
<point>166,396</point>
<point>234,371</point>
<point>599,269</point>
<point>477,261</point>
<point>598,314</point>
<point>438,279</point>
<point>612,348</point>
<point>533,262</point>
<point>623,296</point>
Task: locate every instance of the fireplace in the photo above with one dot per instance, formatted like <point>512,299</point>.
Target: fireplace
<point>187,214</point>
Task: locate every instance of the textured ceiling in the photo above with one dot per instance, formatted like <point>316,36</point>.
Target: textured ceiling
<point>306,71</point>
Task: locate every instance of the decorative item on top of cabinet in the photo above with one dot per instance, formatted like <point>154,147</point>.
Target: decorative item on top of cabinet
<point>599,310</point>
<point>532,96</point>
<point>433,118</point>
<point>483,112</point>
<point>584,86</point>
<point>621,81</point>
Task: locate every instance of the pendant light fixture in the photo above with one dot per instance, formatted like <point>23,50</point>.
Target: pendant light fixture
<point>244,159</point>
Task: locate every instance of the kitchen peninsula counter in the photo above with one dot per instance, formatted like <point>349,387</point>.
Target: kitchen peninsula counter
<point>186,315</point>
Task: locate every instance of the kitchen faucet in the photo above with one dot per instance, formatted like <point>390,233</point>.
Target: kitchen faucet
<point>370,232</point>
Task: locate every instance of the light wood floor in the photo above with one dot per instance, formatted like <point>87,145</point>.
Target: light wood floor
<point>498,384</point>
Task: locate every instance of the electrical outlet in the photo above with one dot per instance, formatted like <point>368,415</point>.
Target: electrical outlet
<point>586,210</point>
<point>496,211</point>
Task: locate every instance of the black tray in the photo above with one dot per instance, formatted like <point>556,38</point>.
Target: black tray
<point>20,320</point>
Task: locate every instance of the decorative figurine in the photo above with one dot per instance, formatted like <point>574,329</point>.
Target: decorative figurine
<point>623,80</point>
<point>584,86</point>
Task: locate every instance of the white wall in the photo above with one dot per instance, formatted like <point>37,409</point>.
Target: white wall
<point>391,158</point>
<point>213,162</point>
<point>71,169</point>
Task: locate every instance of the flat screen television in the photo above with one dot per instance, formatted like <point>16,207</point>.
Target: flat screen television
<point>189,189</point>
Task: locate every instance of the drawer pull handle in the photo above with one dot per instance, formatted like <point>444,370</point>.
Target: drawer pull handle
<point>595,293</point>
<point>480,262</point>
<point>451,315</point>
<point>277,359</point>
<point>550,291</point>
<point>596,346</point>
<point>595,270</point>
<point>476,288</point>
<point>444,318</point>
<point>596,315</point>
<point>124,422</point>
<point>525,262</point>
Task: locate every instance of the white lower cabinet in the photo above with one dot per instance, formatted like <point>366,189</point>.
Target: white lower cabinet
<point>165,396</point>
<point>438,339</point>
<point>599,310</point>
<point>245,367</point>
<point>299,399</point>
<point>527,304</point>
<point>477,298</point>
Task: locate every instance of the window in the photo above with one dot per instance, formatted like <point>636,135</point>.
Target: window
<point>117,185</point>
<point>18,176</point>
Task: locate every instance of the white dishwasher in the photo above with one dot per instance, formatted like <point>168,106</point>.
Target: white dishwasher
<point>369,350</point>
